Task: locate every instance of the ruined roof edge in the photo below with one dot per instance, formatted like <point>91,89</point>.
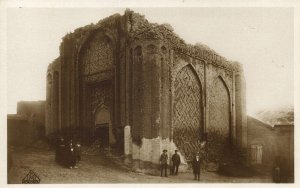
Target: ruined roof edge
<point>141,26</point>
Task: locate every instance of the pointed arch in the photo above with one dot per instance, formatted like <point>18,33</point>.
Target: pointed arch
<point>219,128</point>
<point>188,119</point>
<point>103,125</point>
<point>225,85</point>
<point>96,54</point>
<point>220,108</point>
<point>84,44</point>
<point>102,115</point>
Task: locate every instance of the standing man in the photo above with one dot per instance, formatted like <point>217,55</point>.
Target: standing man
<point>71,156</point>
<point>60,151</point>
<point>78,151</point>
<point>176,162</point>
<point>163,162</point>
<point>196,166</point>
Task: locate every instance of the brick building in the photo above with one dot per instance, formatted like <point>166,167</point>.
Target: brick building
<point>141,89</point>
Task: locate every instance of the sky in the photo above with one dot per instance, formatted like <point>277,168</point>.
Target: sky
<point>261,39</point>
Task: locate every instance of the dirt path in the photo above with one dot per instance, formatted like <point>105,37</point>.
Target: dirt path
<point>97,169</point>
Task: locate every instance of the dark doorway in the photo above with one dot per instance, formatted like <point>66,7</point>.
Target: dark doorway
<point>102,133</point>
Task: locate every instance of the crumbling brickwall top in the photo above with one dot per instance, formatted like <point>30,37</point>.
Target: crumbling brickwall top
<point>142,29</point>
<point>136,26</point>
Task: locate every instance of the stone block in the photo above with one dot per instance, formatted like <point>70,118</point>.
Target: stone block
<point>127,141</point>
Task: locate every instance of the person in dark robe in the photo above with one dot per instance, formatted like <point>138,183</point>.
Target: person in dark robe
<point>78,152</point>
<point>71,156</point>
<point>60,151</point>
<point>175,163</point>
<point>196,166</point>
<point>57,143</point>
<point>164,163</point>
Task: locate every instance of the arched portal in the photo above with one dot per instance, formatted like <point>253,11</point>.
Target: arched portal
<point>96,81</point>
<point>219,109</point>
<point>218,129</point>
<point>103,127</point>
<point>187,112</point>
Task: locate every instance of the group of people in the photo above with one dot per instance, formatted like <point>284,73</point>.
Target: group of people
<point>67,153</point>
<point>164,162</point>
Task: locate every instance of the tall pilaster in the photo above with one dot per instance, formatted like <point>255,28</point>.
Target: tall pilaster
<point>240,109</point>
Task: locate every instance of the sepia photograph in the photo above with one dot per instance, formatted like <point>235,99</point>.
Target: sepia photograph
<point>155,95</point>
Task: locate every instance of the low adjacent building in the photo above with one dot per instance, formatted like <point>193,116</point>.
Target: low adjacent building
<point>270,146</point>
<point>28,125</point>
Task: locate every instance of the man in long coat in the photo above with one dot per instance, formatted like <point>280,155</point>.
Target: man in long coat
<point>196,166</point>
<point>60,151</point>
<point>164,162</point>
<point>176,162</point>
<point>71,159</point>
<point>78,152</point>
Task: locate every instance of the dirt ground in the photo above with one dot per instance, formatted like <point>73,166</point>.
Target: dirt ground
<point>98,168</point>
